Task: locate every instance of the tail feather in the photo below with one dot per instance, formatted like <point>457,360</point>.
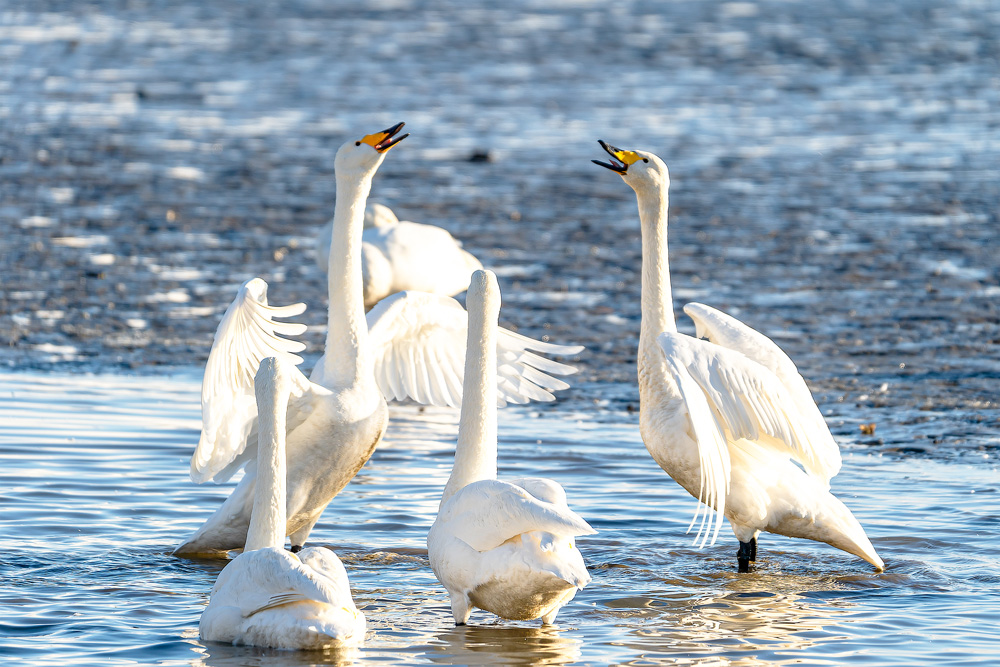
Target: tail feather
<point>851,537</point>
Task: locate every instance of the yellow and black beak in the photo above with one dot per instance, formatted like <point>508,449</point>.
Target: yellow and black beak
<point>386,139</point>
<point>620,160</point>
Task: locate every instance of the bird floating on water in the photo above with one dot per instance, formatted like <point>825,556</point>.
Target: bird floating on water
<point>266,596</point>
<point>504,546</point>
<point>410,345</point>
<point>729,418</point>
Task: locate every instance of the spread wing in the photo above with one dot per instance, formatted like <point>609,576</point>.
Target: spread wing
<point>247,334</point>
<point>823,459</point>
<point>419,346</point>
<point>487,513</point>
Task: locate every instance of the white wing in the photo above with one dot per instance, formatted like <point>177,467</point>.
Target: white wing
<point>487,513</point>
<point>246,335</point>
<point>419,340</point>
<point>727,331</point>
<point>707,432</point>
<point>271,577</point>
<point>748,400</point>
<point>542,488</point>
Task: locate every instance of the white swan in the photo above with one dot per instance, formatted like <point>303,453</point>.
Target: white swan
<point>506,547</point>
<point>730,419</point>
<point>266,596</point>
<point>410,345</point>
<point>401,255</point>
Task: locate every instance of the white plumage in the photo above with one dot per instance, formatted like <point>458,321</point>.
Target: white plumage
<point>506,547</point>
<point>730,419</point>
<point>410,346</point>
<point>401,255</point>
<point>266,596</point>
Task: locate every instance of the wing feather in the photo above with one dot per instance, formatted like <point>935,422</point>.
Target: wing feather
<point>246,335</point>
<point>822,455</point>
<point>750,401</point>
<point>419,347</point>
<point>487,513</point>
<point>707,432</point>
<point>271,577</point>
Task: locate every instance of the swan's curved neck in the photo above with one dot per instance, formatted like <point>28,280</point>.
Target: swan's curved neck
<point>267,522</point>
<point>657,300</point>
<point>476,451</point>
<point>347,360</point>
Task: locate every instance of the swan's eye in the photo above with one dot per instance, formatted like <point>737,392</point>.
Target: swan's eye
<point>645,159</point>
<point>357,143</point>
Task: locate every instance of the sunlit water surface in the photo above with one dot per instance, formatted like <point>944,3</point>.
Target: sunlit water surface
<point>93,472</point>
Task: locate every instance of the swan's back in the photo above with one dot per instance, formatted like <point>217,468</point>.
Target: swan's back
<point>272,598</point>
<point>423,257</point>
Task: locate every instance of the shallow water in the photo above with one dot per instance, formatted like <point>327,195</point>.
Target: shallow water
<point>96,494</point>
<point>834,184</point>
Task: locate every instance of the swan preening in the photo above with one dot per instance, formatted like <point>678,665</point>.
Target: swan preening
<point>504,546</point>
<point>398,255</point>
<point>266,596</point>
<point>730,418</point>
<point>410,345</point>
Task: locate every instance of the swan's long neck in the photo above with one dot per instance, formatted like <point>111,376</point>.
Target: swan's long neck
<point>348,359</point>
<point>657,300</point>
<point>476,451</point>
<point>267,522</point>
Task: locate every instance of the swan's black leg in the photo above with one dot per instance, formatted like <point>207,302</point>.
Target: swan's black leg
<point>296,548</point>
<point>745,555</point>
<point>753,550</point>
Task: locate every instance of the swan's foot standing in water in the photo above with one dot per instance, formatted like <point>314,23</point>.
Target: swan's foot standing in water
<point>729,418</point>
<point>508,548</point>
<point>747,554</point>
<point>461,608</point>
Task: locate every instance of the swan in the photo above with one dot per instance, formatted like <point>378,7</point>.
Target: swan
<point>506,547</point>
<point>409,346</point>
<point>266,596</point>
<point>729,418</point>
<point>401,255</point>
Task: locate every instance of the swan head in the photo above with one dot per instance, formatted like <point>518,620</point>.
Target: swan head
<point>484,295</point>
<point>364,155</point>
<point>640,169</point>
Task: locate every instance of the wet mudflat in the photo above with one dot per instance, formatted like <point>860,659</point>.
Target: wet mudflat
<point>834,184</point>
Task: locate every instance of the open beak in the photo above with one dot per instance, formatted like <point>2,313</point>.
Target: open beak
<point>386,139</point>
<point>620,160</point>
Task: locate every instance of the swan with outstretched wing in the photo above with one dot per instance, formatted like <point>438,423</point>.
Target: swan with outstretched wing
<point>729,418</point>
<point>267,596</point>
<point>409,346</point>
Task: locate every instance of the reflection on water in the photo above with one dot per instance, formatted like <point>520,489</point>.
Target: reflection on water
<point>92,512</point>
<point>756,620</point>
<point>221,655</point>
<point>504,645</point>
<point>773,613</point>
